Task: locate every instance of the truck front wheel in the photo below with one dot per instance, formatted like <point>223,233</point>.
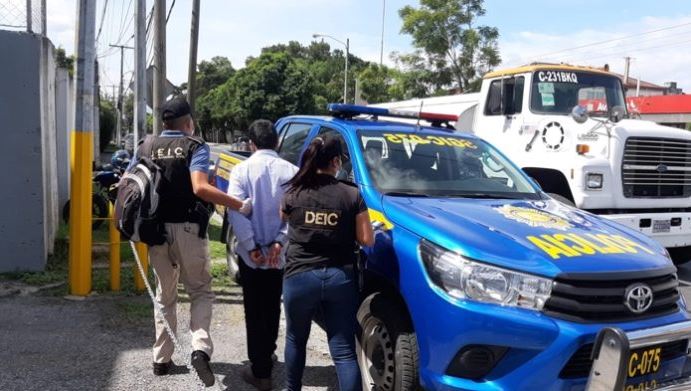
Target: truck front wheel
<point>387,348</point>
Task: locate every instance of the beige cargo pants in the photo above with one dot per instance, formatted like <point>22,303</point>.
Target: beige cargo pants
<point>184,256</point>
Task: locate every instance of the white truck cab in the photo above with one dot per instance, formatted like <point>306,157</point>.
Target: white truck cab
<point>568,128</point>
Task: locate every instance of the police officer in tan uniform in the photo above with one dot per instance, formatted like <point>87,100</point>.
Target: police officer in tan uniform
<point>185,208</point>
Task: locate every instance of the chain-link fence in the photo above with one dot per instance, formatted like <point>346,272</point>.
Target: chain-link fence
<point>23,15</point>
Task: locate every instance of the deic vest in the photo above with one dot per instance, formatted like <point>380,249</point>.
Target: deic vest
<point>177,200</point>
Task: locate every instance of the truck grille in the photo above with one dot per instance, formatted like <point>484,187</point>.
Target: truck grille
<point>603,300</point>
<point>656,167</point>
<point>580,363</point>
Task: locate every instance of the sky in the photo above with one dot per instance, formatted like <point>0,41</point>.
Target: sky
<point>656,34</point>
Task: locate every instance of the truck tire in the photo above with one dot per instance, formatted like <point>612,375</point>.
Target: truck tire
<point>562,199</point>
<point>387,348</point>
<point>680,255</point>
<point>232,256</point>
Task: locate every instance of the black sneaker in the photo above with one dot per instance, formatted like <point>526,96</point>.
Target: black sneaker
<point>162,368</point>
<point>200,362</point>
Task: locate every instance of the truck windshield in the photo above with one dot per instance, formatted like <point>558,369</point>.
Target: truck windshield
<point>557,92</point>
<point>430,164</point>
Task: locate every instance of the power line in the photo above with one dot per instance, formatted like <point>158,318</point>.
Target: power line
<point>124,27</point>
<point>654,47</point>
<point>615,39</point>
<point>619,47</point>
<point>170,11</point>
<point>124,18</point>
<point>103,17</point>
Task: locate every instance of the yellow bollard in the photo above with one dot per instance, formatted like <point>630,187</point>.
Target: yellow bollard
<point>80,212</point>
<point>143,253</point>
<point>114,236</point>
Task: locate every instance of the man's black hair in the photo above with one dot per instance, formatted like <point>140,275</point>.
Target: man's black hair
<point>263,134</point>
<point>176,123</point>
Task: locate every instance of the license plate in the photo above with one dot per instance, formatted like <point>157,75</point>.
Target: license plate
<point>644,361</point>
<point>661,226</point>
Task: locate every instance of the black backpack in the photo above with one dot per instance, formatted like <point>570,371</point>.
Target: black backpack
<point>136,205</point>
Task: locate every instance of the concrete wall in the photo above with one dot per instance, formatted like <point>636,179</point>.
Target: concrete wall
<point>64,122</point>
<point>49,144</point>
<point>23,244</point>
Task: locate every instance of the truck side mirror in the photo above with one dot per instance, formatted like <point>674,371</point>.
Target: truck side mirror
<point>579,114</point>
<point>617,114</point>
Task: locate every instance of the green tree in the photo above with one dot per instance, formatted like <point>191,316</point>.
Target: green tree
<point>374,82</point>
<point>451,45</point>
<point>213,73</point>
<point>64,61</point>
<point>270,86</point>
<point>107,118</point>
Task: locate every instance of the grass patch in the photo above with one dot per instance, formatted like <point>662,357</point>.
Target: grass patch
<point>216,248</point>
<point>57,269</point>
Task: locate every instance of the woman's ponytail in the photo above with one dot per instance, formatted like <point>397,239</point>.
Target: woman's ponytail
<point>317,155</point>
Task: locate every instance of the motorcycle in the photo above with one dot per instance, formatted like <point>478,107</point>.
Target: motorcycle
<point>104,188</point>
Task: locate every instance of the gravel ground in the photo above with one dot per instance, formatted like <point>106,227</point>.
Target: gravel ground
<point>104,343</point>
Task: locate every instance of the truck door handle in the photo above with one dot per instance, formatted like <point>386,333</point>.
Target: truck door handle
<point>529,146</point>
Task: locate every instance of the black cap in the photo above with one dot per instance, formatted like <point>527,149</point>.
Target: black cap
<point>175,108</point>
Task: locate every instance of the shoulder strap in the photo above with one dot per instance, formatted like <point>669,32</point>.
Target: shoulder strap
<point>196,139</point>
<point>147,145</point>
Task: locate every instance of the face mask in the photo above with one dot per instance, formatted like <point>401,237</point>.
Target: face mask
<point>339,171</point>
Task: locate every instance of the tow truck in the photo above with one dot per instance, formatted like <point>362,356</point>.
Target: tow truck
<point>480,280</point>
<point>568,128</point>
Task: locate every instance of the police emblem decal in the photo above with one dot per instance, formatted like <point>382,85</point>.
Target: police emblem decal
<point>638,298</point>
<point>534,217</point>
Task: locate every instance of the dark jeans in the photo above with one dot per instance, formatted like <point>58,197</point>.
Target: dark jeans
<point>334,291</point>
<point>261,290</point>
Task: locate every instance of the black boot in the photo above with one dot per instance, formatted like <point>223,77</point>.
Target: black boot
<point>200,362</point>
<point>162,368</point>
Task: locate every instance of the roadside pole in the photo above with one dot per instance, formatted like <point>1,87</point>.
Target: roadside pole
<point>114,261</point>
<point>140,72</point>
<point>192,71</point>
<point>118,132</point>
<point>81,151</point>
<point>143,256</point>
<point>159,62</point>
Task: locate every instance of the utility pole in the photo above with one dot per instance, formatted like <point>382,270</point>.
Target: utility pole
<point>345,78</point>
<point>383,17</point>
<point>140,71</point>
<point>627,65</point>
<point>82,151</point>
<point>192,72</point>
<point>118,132</point>
<point>29,17</point>
<point>44,30</point>
<point>159,62</point>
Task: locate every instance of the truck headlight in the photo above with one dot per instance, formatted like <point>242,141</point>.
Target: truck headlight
<point>593,181</point>
<point>463,278</point>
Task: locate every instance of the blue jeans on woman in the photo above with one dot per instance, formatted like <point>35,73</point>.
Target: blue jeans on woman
<point>333,291</point>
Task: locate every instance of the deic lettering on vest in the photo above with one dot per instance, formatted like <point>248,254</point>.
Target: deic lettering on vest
<point>574,245</point>
<point>321,218</point>
<point>168,153</point>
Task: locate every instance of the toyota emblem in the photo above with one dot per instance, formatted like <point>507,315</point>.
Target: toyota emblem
<point>661,168</point>
<point>638,298</point>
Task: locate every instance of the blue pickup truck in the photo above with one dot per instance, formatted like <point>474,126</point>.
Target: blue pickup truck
<point>478,280</point>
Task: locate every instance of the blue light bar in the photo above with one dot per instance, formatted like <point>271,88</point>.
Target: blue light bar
<point>348,111</point>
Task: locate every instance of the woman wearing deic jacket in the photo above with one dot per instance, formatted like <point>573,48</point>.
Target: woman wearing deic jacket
<point>326,219</point>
